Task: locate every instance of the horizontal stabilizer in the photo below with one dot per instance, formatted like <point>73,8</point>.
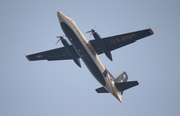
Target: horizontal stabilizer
<point>126,85</point>
<point>101,90</point>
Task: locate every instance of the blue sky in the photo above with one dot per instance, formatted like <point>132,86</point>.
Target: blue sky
<point>56,88</point>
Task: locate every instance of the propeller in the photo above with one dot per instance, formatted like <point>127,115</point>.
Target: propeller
<point>91,31</point>
<point>58,39</point>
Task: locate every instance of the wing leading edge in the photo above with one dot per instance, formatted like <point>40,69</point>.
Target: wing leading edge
<point>54,54</point>
<point>114,42</point>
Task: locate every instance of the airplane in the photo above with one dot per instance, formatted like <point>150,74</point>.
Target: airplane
<point>88,51</point>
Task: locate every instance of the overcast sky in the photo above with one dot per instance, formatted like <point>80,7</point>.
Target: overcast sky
<point>61,88</point>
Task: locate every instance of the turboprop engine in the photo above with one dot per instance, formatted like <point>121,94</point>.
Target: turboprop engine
<point>101,43</point>
<point>69,50</point>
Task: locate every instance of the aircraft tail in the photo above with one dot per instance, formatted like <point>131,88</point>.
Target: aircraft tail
<point>126,85</point>
<point>121,84</point>
<point>120,81</point>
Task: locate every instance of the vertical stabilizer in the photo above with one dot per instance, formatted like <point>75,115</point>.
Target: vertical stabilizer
<point>123,77</point>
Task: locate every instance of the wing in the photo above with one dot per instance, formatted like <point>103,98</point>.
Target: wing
<point>55,54</point>
<point>118,41</point>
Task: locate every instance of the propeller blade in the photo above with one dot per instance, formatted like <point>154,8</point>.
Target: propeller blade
<point>95,26</point>
<point>58,41</point>
<point>58,36</point>
<point>88,32</point>
<point>90,35</point>
<point>91,31</point>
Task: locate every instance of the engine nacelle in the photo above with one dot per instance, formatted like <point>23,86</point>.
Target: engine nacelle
<point>102,45</point>
<point>68,49</point>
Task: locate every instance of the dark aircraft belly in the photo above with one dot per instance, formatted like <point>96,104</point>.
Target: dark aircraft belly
<point>83,53</point>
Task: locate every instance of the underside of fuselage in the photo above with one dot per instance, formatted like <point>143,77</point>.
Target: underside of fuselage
<point>82,52</point>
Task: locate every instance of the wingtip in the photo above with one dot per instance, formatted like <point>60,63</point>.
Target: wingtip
<point>151,31</point>
<point>28,58</point>
<point>137,83</point>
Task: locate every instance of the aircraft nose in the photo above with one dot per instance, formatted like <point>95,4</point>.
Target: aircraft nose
<point>59,13</point>
<point>61,17</point>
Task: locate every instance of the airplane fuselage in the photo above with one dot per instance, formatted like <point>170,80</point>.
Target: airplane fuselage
<point>88,51</point>
<point>88,54</point>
